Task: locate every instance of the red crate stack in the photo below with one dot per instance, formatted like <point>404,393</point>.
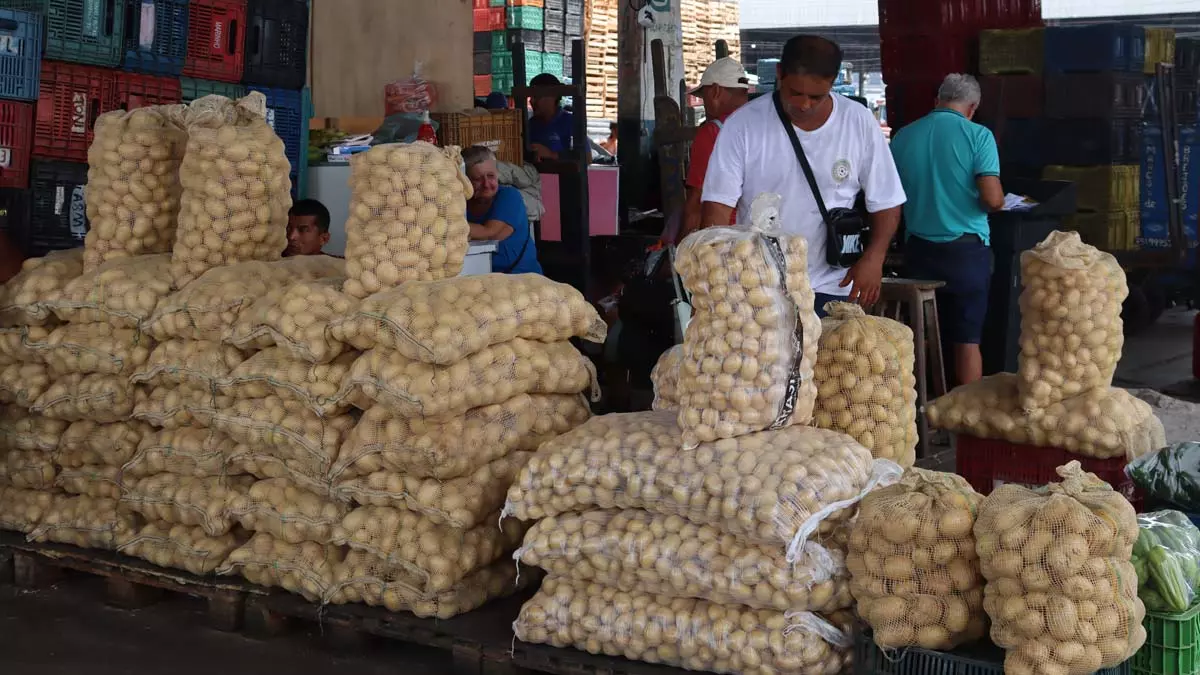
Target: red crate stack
<point>16,141</point>
<point>72,97</point>
<point>216,48</point>
<point>909,99</point>
<point>138,91</point>
<point>483,85</point>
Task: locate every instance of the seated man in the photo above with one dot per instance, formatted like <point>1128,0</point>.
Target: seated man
<point>550,127</point>
<point>307,229</point>
<point>497,213</point>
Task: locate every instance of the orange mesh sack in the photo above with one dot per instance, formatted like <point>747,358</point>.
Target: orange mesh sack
<point>186,500</point>
<point>1071,330</point>
<point>296,318</point>
<point>914,571</point>
<point>86,522</point>
<point>383,441</point>
<point>286,429</point>
<point>20,430</point>
<point>195,363</point>
<point>16,343</point>
<point>21,384</point>
<point>236,190</point>
<point>276,372</point>
<point>94,348</point>
<point>86,443</point>
<point>750,349</point>
<point>774,488</point>
<point>287,512</point>
<point>493,375</point>
<point>639,551</point>
<point>92,481</point>
<point>133,183</point>
<point>24,298</point>
<point>30,469</point>
<point>100,398</point>
<point>198,453</point>
<point>866,385</point>
<point>173,407</point>
<point>1061,591</point>
<point>692,634</point>
<point>408,217</point>
<point>179,546</point>
<point>123,292</point>
<point>665,378</point>
<point>22,510</point>
<point>443,322</point>
<point>306,569</point>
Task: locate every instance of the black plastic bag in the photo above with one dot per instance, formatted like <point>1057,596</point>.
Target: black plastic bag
<point>1170,475</point>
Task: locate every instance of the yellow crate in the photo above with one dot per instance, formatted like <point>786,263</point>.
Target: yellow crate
<point>1111,231</point>
<point>499,130</point>
<point>1160,47</point>
<point>1011,52</point>
<point>1101,189</point>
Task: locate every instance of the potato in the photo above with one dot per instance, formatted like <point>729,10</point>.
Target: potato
<point>123,292</point>
<point>443,322</point>
<point>749,351</point>
<point>100,398</point>
<point>20,430</point>
<point>665,378</point>
<point>86,443</point>
<point>1071,330</point>
<point>306,569</point>
<point>295,317</point>
<point>30,469</point>
<point>93,481</point>
<point>639,551</point>
<point>21,384</point>
<point>41,280</point>
<point>187,500</point>
<point>172,407</point>
<point>767,488</point>
<point>16,344</point>
<point>1037,599</point>
<point>287,512</point>
<point>408,217</point>
<point>198,453</point>
<point>493,375</point>
<point>236,188</point>
<point>866,385</point>
<point>133,183</point>
<point>194,363</point>
<point>383,441</point>
<point>182,547</point>
<point>86,522</point>
<point>275,372</point>
<point>22,510</point>
<point>94,348</point>
<point>692,634</point>
<point>287,428</point>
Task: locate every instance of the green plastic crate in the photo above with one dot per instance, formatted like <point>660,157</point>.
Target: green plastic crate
<point>553,64</point>
<point>529,18</point>
<point>497,3</point>
<point>193,89</point>
<point>36,6</point>
<point>503,83</point>
<point>86,31</point>
<point>534,62</point>
<point>499,40</point>
<point>502,63</point>
<point>1172,641</point>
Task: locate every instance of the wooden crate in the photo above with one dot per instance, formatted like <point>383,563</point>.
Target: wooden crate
<point>499,130</point>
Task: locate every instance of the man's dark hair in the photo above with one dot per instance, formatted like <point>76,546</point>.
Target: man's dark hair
<point>811,55</point>
<point>312,207</point>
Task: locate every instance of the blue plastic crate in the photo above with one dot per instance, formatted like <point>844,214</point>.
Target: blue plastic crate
<point>980,658</point>
<point>21,58</point>
<point>288,113</point>
<point>35,6</point>
<point>156,36</point>
<point>1090,49</point>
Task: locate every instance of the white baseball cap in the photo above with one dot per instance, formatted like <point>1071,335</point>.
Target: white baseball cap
<point>725,72</point>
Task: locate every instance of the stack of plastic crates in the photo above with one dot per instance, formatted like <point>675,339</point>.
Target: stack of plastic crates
<point>20,74</point>
<point>276,43</point>
<point>57,214</point>
<point>1108,202</point>
<point>216,43</point>
<point>288,113</point>
<point>71,97</point>
<point>192,88</point>
<point>86,31</point>
<point>156,36</point>
<point>135,90</point>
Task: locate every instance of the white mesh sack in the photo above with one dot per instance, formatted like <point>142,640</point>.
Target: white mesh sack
<point>693,634</point>
<point>86,522</point>
<point>199,453</point>
<point>306,568</point>
<point>296,318</point>
<point>286,429</point>
<point>236,189</point>
<point>750,349</point>
<point>492,375</point>
<point>20,430</point>
<point>16,343</point>
<point>362,578</point>
<point>123,292</point>
<point>22,383</point>
<point>442,322</point>
<point>866,385</point>
<point>133,183</point>
<point>30,469</point>
<point>1071,329</point>
<point>94,348</point>
<point>665,378</point>
<point>195,363</point>
<point>182,547</point>
<point>639,551</point>
<point>41,280</point>
<point>187,500</point>
<point>22,510</point>
<point>173,407</point>
<point>276,372</point>
<point>384,441</point>
<point>100,398</point>
<point>92,481</point>
<point>287,512</point>
<point>86,443</point>
<point>408,217</point>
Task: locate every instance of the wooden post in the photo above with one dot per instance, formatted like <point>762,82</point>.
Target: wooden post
<point>631,144</point>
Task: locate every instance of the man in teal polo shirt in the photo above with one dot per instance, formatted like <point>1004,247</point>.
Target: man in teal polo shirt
<point>950,170</point>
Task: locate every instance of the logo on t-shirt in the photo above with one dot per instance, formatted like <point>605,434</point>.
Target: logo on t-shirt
<point>841,170</point>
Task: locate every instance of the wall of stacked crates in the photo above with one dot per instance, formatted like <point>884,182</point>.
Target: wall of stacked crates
<point>69,61</point>
<point>546,29</point>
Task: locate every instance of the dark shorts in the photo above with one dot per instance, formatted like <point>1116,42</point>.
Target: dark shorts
<point>823,298</point>
<point>965,264</point>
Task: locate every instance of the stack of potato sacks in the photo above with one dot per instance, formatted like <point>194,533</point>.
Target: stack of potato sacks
<point>710,537</point>
<point>1071,338</point>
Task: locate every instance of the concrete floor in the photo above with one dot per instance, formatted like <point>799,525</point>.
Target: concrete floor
<point>1161,356</point>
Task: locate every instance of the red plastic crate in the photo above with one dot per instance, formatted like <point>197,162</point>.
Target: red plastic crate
<point>481,4</point>
<point>919,54</point>
<point>216,45</point>
<point>497,19</point>
<point>138,91</point>
<point>987,464</point>
<point>959,15</point>
<point>71,98</point>
<point>16,141</point>
<point>482,19</point>
<point>908,100</point>
<point>483,85</point>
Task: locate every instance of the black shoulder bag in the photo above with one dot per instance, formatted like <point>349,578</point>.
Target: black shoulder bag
<point>846,230</point>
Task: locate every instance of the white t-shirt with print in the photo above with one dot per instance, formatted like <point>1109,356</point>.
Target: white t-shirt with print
<point>848,153</point>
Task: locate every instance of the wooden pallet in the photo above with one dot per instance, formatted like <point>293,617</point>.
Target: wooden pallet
<point>130,583</point>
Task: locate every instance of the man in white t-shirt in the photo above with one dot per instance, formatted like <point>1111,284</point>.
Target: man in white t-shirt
<point>848,154</point>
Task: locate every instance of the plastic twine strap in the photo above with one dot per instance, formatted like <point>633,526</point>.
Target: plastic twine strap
<point>884,472</point>
<point>809,622</point>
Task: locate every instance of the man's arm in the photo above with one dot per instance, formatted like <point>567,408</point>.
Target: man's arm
<point>987,172</point>
<point>692,214</point>
<point>991,193</point>
<point>715,213</point>
<point>885,196</point>
<point>723,181</point>
<point>698,159</point>
<point>492,230</point>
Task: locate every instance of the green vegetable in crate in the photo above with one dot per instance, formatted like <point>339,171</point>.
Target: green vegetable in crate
<point>1165,557</point>
<point>1170,475</point>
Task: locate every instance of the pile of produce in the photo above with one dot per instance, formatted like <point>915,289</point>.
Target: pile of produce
<point>1167,559</point>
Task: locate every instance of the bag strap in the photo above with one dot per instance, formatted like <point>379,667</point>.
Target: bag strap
<point>799,150</point>
<point>719,124</point>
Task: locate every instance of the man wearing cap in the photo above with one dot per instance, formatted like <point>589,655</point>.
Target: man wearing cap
<point>724,87</point>
<point>550,127</point>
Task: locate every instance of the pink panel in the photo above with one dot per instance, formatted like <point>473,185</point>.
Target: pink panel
<point>603,186</point>
<point>552,221</point>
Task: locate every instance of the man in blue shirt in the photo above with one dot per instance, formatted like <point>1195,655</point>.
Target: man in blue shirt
<point>950,169</point>
<point>550,127</point>
<point>497,213</point>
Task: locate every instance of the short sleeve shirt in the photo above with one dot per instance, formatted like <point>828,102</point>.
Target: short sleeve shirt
<point>702,148</point>
<point>518,253</point>
<point>555,134</point>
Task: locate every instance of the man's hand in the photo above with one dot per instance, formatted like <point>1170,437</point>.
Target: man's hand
<point>542,152</point>
<point>867,278</point>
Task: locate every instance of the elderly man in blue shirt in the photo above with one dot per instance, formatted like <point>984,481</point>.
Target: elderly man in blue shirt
<point>950,169</point>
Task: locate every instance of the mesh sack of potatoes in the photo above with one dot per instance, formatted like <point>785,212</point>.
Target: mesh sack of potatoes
<point>1061,590</point>
<point>121,292</point>
<point>771,488</point>
<point>92,481</point>
<point>21,510</point>
<point>16,344</point>
<point>458,502</point>
<point>362,578</point>
<point>750,349</point>
<point>236,189</point>
<point>133,183</point>
<point>198,363</point>
<point>442,322</point>
<point>100,398</point>
<point>275,372</point>
<point>296,318</point>
<point>408,217</point>
<point>306,568</point>
<point>637,550</point>
<point>288,512</point>
<point>383,441</point>
<point>285,428</point>
<point>914,570</point>
<point>693,634</point>
<point>665,378</point>
<point>199,453</point>
<point>208,306</point>
<point>1071,330</point>
<point>172,407</point>
<point>94,348</point>
<point>866,385</point>
<point>21,384</point>
<point>30,469</point>
<point>435,557</point>
<point>86,522</point>
<point>263,465</point>
<point>493,375</point>
<point>187,500</point>
<point>41,280</point>
<point>20,430</point>
<point>86,443</point>
<point>181,547</point>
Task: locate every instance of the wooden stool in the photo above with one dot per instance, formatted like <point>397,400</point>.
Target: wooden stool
<point>914,303</point>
